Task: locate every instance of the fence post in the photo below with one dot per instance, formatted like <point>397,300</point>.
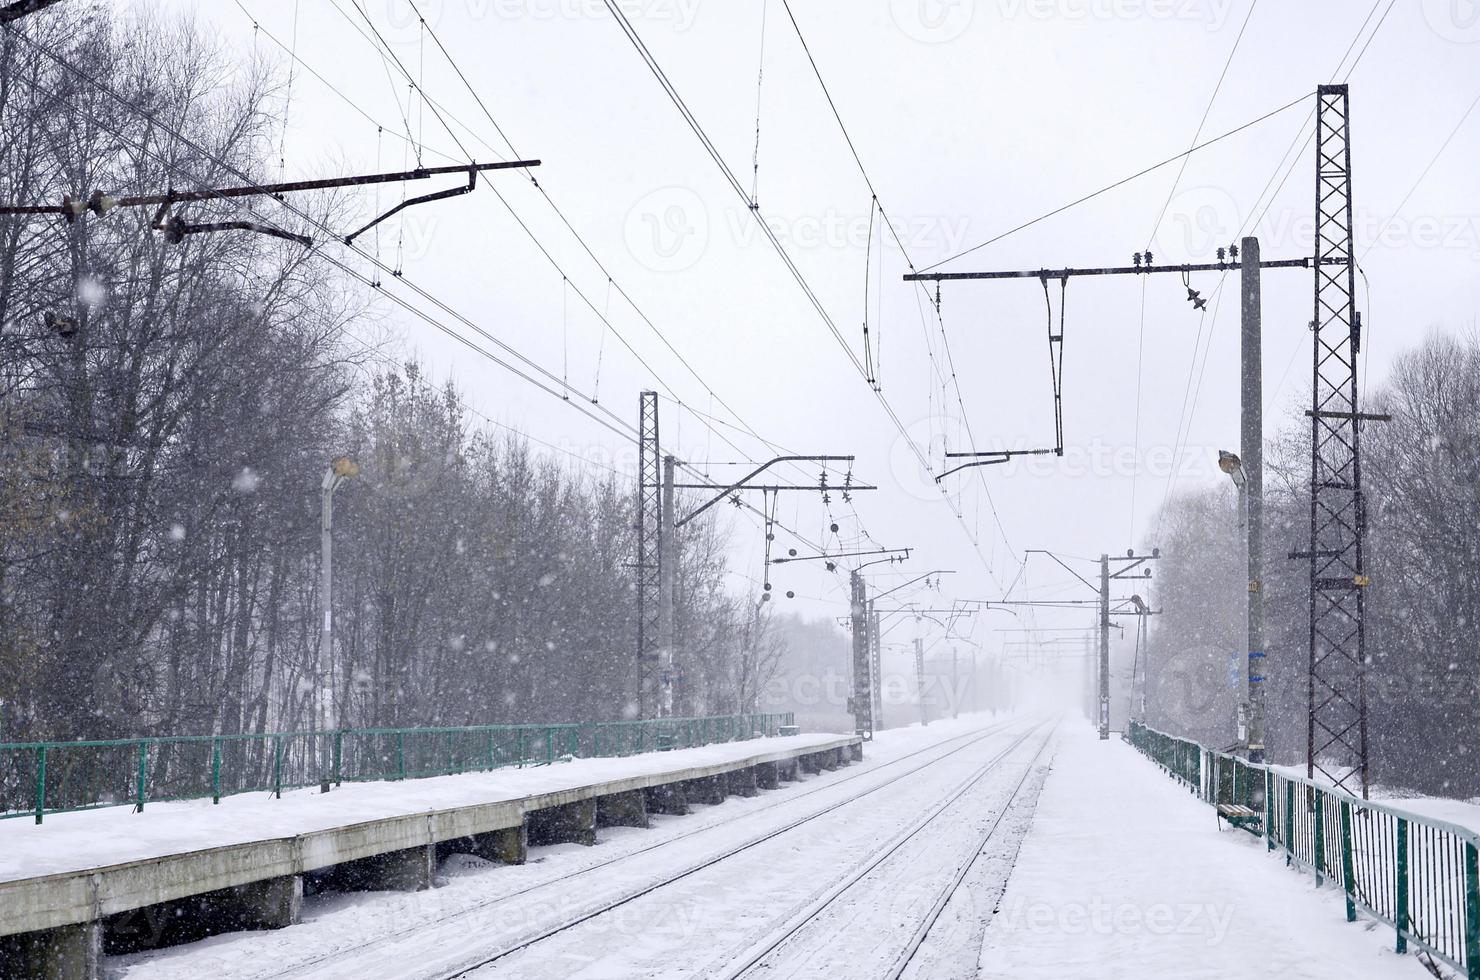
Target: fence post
<point>339,757</point>
<point>1289,821</point>
<point>1400,916</point>
<point>40,782</point>
<point>400,754</point>
<point>277,766</point>
<point>1346,860</point>
<point>1472,913</point>
<point>1320,837</point>
<point>143,775</point>
<point>215,771</point>
<point>1268,814</point>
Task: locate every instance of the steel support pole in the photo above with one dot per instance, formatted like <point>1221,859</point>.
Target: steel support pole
<point>920,679</point>
<point>1251,438</point>
<point>325,654</point>
<point>648,570</point>
<point>876,666</point>
<point>1104,707</point>
<point>667,571</point>
<point>863,695</point>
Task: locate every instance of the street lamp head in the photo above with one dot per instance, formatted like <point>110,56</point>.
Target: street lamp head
<point>344,467</point>
<point>1230,463</point>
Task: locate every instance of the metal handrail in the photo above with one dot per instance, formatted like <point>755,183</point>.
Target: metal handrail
<point>37,778</point>
<point>1417,874</point>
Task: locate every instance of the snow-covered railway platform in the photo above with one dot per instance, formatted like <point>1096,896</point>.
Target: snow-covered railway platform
<point>244,862</point>
<point>1124,875</point>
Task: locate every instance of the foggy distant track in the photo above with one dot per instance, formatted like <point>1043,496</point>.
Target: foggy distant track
<point>335,957</point>
<point>771,951</point>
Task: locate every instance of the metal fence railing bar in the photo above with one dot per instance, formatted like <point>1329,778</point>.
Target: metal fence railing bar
<point>37,778</point>
<point>1416,874</point>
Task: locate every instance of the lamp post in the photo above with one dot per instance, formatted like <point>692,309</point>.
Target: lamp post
<point>1251,506</point>
<point>340,470</point>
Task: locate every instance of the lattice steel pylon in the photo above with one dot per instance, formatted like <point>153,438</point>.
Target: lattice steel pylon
<point>1336,730</point>
<point>649,554</point>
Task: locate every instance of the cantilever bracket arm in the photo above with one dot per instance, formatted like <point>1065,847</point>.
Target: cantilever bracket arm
<point>842,554</point>
<point>1040,551</point>
<point>423,199</point>
<point>740,483</point>
<point>175,228</point>
<point>994,457</point>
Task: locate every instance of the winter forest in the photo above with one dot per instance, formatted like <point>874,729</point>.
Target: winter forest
<point>1423,509</point>
<point>167,412</point>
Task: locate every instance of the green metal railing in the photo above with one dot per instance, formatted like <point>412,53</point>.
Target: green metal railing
<point>1418,875</point>
<point>37,778</point>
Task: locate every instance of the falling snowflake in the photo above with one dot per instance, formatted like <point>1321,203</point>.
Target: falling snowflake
<point>177,532</point>
<point>246,481</point>
<point>91,292</point>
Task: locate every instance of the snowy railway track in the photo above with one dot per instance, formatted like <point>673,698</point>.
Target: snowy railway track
<point>334,958</point>
<point>607,907</point>
<point>763,956</point>
<point>742,964</point>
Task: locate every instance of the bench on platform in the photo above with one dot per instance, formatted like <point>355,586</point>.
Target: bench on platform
<point>1240,816</point>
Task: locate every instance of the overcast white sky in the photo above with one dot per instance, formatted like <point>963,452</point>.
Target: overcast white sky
<point>971,116</point>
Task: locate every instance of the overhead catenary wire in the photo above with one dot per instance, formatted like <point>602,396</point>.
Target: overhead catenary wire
<point>543,190</point>
<point>909,260</point>
<point>620,18</point>
<point>1120,183</point>
<point>623,428</point>
<point>446,117</point>
<point>1197,133</point>
<point>1293,154</point>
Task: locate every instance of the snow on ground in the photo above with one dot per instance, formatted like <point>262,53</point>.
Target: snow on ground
<point>116,835</point>
<point>483,906</point>
<point>1125,874</point>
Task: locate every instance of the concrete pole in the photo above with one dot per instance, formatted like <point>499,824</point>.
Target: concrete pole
<point>1104,707</point>
<point>667,575</point>
<point>863,695</point>
<point>324,655</point>
<point>1252,456</point>
<point>876,666</point>
<point>920,679</point>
